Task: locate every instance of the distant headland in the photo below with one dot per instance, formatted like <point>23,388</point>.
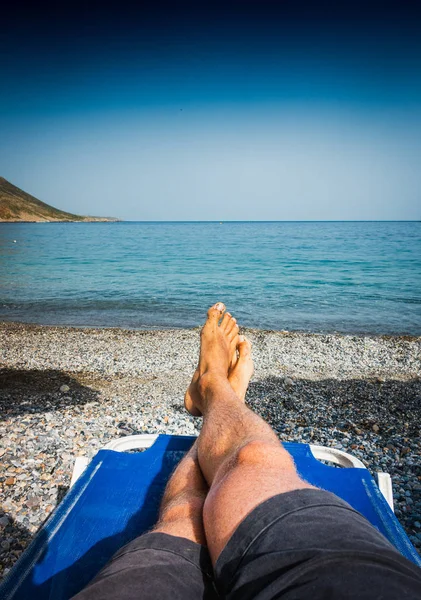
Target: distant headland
<point>18,206</point>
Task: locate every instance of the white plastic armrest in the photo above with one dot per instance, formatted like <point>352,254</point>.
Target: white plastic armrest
<point>131,442</point>
<point>347,460</point>
<point>81,463</point>
<point>339,457</point>
<point>385,485</point>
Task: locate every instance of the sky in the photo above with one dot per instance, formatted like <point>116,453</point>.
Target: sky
<point>214,111</point>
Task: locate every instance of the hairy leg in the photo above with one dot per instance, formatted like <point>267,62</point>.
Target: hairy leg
<point>240,456</point>
<point>181,512</point>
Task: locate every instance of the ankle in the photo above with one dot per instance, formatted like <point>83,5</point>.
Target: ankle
<point>208,382</point>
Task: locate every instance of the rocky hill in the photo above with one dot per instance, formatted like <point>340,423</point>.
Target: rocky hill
<point>17,205</point>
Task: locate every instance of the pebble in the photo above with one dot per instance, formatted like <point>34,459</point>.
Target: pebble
<point>33,502</point>
<point>4,521</point>
<point>325,392</point>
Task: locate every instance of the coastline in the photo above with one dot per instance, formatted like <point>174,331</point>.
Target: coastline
<point>67,391</point>
<point>114,351</point>
<point>81,220</point>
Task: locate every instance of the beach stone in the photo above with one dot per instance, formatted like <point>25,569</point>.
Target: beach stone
<point>10,481</point>
<point>4,521</point>
<point>376,428</point>
<point>64,388</point>
<point>33,502</point>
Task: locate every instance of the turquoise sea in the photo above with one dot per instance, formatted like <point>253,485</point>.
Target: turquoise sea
<point>355,277</point>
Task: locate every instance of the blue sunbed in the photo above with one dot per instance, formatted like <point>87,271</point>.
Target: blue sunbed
<point>117,498</point>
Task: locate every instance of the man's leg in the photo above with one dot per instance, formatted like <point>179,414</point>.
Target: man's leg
<point>269,533</point>
<point>170,561</point>
<point>240,456</point>
<point>181,511</point>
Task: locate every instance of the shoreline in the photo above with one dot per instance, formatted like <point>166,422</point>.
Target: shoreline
<point>116,351</point>
<point>404,336</point>
<point>66,391</point>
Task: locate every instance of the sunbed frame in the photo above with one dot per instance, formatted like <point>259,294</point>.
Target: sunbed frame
<point>323,453</point>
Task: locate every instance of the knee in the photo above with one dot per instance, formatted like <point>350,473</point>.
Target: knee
<point>264,454</point>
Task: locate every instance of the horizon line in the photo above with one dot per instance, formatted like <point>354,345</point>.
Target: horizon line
<point>220,221</point>
<point>274,221</point>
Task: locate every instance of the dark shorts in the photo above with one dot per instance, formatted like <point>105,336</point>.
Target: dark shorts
<point>302,544</point>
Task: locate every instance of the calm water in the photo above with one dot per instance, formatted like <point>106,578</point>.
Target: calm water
<point>349,277</point>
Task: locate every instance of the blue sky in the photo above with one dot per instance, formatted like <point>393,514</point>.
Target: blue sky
<point>214,111</point>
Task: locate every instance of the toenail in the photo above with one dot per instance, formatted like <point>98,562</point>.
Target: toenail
<point>219,306</point>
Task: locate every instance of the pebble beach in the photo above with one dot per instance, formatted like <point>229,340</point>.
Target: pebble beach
<point>66,392</point>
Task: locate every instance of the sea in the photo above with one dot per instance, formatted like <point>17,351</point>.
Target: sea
<point>349,277</point>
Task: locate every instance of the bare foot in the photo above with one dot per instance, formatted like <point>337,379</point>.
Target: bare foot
<point>239,374</point>
<point>191,397</point>
<point>218,343</point>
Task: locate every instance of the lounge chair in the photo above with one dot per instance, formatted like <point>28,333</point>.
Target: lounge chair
<point>117,497</point>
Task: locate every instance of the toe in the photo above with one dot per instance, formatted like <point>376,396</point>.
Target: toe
<point>233,336</point>
<point>216,311</point>
<point>234,357</point>
<point>226,321</point>
<point>244,346</point>
<point>232,328</point>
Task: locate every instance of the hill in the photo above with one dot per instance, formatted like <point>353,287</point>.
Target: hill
<point>16,205</point>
